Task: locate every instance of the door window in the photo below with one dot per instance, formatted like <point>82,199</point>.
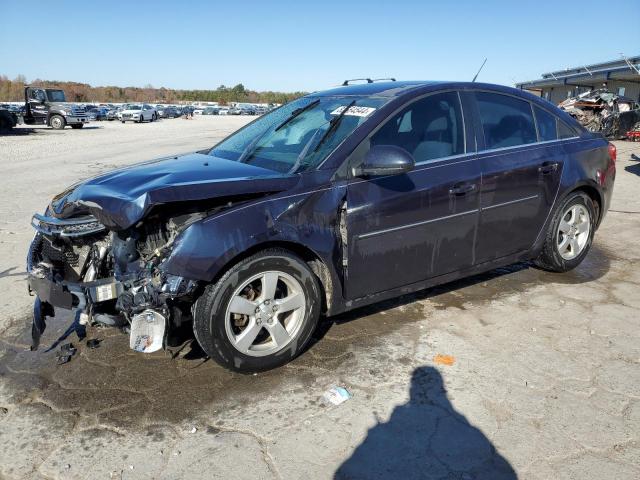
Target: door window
<point>428,128</point>
<point>37,95</point>
<point>506,121</point>
<point>565,131</point>
<point>546,125</point>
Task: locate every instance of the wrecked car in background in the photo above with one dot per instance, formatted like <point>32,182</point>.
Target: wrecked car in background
<point>336,200</point>
<point>603,111</point>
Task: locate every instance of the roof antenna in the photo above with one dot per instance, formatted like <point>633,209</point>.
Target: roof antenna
<point>479,70</point>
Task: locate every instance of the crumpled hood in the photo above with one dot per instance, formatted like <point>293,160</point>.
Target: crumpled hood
<point>121,198</point>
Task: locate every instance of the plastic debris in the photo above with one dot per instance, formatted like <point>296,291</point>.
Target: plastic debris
<point>194,430</point>
<point>66,352</point>
<point>447,360</point>
<point>147,331</point>
<point>336,396</point>
<point>93,343</point>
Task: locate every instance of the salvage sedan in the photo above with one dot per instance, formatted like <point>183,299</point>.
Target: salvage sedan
<point>334,201</point>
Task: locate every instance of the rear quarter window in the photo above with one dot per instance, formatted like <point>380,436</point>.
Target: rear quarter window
<point>546,122</point>
<point>565,131</point>
<point>506,121</point>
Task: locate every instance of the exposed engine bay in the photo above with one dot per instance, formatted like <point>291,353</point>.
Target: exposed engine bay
<point>110,277</point>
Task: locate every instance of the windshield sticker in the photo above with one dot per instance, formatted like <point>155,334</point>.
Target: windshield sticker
<point>354,111</point>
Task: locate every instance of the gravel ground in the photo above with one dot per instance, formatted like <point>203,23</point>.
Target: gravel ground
<point>517,373</point>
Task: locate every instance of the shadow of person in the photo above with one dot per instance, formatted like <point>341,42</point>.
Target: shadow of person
<point>426,438</point>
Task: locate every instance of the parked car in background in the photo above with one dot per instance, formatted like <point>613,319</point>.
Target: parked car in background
<point>234,111</point>
<point>334,201</point>
<point>198,110</point>
<point>171,112</point>
<point>99,113</point>
<point>139,113</point>
<point>247,110</point>
<point>223,111</point>
<point>210,111</point>
<point>112,114</point>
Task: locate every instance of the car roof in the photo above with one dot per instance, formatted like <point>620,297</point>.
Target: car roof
<point>378,89</point>
<point>401,88</point>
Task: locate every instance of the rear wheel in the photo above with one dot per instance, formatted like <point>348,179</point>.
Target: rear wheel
<point>260,314</point>
<point>570,234</point>
<point>57,122</point>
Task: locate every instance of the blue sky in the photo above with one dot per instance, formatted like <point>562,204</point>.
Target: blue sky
<point>308,46</point>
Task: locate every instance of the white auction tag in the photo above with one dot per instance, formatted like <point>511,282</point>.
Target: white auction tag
<point>354,111</point>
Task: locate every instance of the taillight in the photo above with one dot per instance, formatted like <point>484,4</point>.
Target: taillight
<point>613,152</point>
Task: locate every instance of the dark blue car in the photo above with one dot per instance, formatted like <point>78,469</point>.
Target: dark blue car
<point>334,201</point>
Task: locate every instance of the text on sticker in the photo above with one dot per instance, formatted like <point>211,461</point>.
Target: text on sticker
<point>354,111</point>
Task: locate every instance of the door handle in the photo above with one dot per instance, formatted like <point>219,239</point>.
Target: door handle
<point>548,167</point>
<point>462,188</point>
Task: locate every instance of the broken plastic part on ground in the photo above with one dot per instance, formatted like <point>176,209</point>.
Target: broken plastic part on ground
<point>336,396</point>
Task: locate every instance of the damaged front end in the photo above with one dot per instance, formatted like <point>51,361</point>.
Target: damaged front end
<point>109,277</point>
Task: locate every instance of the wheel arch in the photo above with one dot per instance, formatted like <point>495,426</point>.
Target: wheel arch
<point>54,113</point>
<point>310,257</point>
<point>594,194</point>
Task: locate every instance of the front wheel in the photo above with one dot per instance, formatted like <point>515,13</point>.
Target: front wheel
<point>260,314</point>
<point>570,234</point>
<point>57,122</point>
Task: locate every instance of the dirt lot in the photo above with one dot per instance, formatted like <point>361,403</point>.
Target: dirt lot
<point>513,374</point>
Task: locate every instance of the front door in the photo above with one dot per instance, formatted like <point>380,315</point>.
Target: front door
<point>521,166</point>
<point>406,228</point>
<point>36,98</point>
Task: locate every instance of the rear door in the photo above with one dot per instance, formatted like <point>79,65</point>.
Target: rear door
<point>406,228</point>
<point>521,162</point>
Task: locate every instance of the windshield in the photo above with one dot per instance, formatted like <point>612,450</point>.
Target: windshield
<point>134,107</point>
<point>299,135</point>
<point>55,95</point>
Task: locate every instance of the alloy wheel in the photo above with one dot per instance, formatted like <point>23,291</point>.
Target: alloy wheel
<point>265,313</point>
<point>573,231</point>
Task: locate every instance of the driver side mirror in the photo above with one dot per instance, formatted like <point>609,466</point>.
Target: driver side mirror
<point>385,160</point>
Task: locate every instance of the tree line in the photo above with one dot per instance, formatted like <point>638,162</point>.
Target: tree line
<point>13,91</point>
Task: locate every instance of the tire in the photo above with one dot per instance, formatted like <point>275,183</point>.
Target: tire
<point>563,252</point>
<point>219,331</point>
<point>122,121</point>
<point>57,122</point>
<point>77,126</point>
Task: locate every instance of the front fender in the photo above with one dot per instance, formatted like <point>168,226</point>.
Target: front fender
<point>310,219</point>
